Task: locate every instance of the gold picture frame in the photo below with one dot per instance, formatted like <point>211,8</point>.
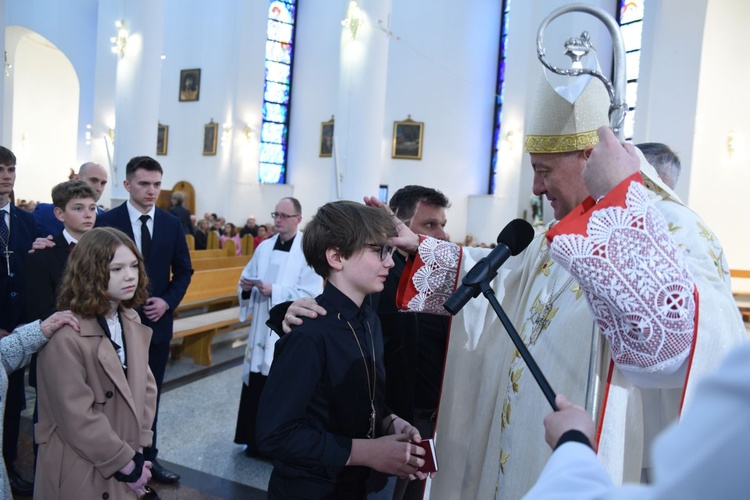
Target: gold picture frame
<point>210,135</point>
<point>190,84</point>
<point>326,139</point>
<point>407,139</point>
<point>162,140</point>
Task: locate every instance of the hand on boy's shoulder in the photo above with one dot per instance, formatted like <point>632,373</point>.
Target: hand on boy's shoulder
<point>42,243</point>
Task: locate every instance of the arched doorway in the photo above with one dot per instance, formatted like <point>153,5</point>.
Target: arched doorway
<point>42,95</point>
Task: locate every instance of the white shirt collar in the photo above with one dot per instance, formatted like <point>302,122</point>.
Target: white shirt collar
<point>135,214</point>
<point>69,238</point>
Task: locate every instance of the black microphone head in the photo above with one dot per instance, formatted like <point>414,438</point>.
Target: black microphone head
<point>516,236</point>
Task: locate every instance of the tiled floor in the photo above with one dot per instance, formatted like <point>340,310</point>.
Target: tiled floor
<point>196,429</point>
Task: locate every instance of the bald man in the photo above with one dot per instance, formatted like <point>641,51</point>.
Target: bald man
<point>47,224</point>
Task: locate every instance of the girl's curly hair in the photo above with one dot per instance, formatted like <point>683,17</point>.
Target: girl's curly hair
<point>86,278</point>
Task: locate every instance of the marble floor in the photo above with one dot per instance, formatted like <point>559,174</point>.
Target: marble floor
<point>197,418</point>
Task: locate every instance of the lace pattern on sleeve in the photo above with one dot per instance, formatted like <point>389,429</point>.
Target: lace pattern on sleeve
<point>636,282</point>
<point>436,279</point>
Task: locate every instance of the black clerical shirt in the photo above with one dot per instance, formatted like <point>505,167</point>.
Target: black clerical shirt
<point>316,401</point>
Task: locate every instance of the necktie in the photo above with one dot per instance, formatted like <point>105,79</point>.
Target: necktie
<point>4,233</point>
<point>71,245</point>
<point>145,237</point>
<point>4,240</point>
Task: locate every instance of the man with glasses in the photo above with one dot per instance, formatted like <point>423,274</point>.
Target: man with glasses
<point>278,272</point>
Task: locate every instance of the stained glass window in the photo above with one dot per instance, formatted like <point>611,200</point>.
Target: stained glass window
<point>499,92</point>
<point>631,24</point>
<point>277,92</point>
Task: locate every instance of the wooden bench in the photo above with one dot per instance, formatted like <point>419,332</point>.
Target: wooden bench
<point>220,263</point>
<point>197,332</point>
<point>212,292</point>
<point>209,254</point>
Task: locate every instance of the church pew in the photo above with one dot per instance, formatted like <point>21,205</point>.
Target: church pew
<point>220,262</point>
<point>209,305</point>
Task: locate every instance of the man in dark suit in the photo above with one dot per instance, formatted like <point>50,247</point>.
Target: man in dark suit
<point>161,239</point>
<point>47,223</point>
<point>178,210</point>
<point>17,233</point>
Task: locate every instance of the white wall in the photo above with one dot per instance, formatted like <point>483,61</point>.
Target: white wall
<point>44,141</point>
<point>718,185</point>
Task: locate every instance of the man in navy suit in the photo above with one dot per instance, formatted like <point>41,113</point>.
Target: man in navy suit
<point>16,237</point>
<point>161,239</point>
<point>47,223</point>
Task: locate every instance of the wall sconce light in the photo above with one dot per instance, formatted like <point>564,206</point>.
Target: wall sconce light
<point>354,18</point>
<point>247,132</point>
<point>120,41</point>
<point>226,133</point>
<point>8,66</point>
<point>733,142</point>
<point>87,135</point>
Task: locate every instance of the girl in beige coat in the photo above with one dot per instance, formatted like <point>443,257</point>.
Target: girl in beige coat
<point>95,390</point>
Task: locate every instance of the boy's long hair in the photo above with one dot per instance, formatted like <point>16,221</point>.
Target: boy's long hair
<point>86,279</point>
<point>346,226</point>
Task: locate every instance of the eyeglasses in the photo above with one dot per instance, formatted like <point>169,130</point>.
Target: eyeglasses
<point>383,250</point>
<point>277,215</point>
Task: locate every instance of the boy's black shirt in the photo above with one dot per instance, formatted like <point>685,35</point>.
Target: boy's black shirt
<point>316,398</point>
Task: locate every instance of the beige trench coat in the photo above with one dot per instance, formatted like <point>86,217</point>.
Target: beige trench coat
<point>92,419</point>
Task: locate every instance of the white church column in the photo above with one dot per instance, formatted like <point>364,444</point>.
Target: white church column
<point>138,85</point>
<point>360,112</point>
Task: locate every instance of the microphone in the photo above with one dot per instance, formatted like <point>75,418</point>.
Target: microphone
<point>512,240</point>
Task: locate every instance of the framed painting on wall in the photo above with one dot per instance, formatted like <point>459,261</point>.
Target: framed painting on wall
<point>326,138</point>
<point>210,132</point>
<point>407,139</point>
<point>190,84</point>
<point>162,139</point>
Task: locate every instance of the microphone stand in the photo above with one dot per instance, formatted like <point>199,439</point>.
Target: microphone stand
<point>541,380</point>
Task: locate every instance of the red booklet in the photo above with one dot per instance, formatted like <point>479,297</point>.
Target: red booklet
<point>430,456</point>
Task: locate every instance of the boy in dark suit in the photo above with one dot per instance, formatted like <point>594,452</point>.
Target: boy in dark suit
<point>75,206</point>
<point>161,239</point>
<point>17,232</point>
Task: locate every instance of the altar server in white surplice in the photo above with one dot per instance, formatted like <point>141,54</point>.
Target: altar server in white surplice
<point>278,272</point>
<point>627,266</point>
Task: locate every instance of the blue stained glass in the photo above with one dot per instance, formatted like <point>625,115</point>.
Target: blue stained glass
<point>271,174</point>
<point>629,125</point>
<point>271,153</point>
<point>631,35</point>
<point>273,132</point>
<point>277,72</point>
<point>631,10</point>
<point>277,92</point>
<point>280,31</point>
<point>274,112</point>
<point>279,51</point>
<point>632,64</point>
<point>281,11</point>
<point>631,94</point>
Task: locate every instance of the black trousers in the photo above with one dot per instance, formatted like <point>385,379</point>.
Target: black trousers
<point>247,415</point>
<point>15,402</point>
<point>158,356</point>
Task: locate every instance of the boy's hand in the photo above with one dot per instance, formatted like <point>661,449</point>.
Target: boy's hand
<point>393,455</point>
<point>305,307</point>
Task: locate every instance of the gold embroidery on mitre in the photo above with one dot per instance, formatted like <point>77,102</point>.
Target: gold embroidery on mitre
<point>560,143</point>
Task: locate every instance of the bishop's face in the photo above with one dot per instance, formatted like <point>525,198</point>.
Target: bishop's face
<point>559,177</point>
